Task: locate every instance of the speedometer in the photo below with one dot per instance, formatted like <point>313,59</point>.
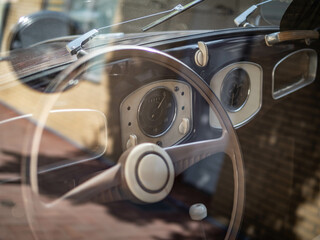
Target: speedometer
<point>235,89</point>
<point>157,111</point>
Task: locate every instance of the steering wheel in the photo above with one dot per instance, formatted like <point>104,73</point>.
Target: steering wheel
<point>146,172</point>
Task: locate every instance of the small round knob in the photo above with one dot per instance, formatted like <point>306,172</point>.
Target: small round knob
<point>132,141</point>
<point>198,212</point>
<point>184,126</point>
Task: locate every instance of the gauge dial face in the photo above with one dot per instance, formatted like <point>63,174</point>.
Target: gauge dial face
<point>235,89</point>
<point>157,111</point>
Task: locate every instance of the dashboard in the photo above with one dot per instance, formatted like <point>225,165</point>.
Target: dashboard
<point>241,84</point>
<point>241,70</point>
<point>161,112</point>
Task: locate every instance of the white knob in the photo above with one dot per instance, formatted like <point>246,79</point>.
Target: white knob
<point>184,126</point>
<point>202,55</point>
<point>132,141</point>
<point>198,212</point>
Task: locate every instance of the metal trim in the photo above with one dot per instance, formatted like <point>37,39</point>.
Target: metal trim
<point>246,113</point>
<point>296,86</point>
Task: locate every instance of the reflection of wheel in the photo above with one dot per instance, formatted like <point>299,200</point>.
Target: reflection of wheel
<point>41,26</point>
<point>146,172</point>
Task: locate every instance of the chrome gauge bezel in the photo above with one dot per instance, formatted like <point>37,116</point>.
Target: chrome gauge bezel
<point>254,100</point>
<point>132,134</point>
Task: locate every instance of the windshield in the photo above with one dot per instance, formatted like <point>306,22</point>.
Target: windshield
<point>159,119</point>
<point>80,16</point>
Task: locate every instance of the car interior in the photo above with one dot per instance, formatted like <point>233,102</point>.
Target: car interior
<point>184,119</point>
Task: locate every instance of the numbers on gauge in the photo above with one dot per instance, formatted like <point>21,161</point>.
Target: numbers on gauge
<point>157,111</point>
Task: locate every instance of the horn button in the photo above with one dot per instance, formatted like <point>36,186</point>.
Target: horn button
<point>148,173</point>
<point>152,173</point>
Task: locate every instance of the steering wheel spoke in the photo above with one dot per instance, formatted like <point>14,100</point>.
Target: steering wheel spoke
<point>186,155</point>
<point>108,179</point>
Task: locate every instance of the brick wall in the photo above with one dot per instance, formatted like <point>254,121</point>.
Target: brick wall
<point>281,149</point>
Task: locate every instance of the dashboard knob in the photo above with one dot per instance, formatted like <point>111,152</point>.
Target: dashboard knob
<point>202,55</point>
<point>132,141</point>
<point>184,126</point>
<point>198,212</point>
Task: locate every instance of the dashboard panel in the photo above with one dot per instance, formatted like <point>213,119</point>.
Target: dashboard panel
<point>159,112</point>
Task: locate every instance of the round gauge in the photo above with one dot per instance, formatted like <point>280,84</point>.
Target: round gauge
<point>157,111</point>
<point>235,89</point>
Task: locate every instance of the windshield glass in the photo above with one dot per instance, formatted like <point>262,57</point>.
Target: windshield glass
<point>159,119</point>
<point>80,16</point>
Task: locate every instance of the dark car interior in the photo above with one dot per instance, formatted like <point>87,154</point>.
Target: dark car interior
<point>235,110</point>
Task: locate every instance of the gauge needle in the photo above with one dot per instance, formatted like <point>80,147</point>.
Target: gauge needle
<point>232,99</point>
<point>159,105</point>
<point>164,96</point>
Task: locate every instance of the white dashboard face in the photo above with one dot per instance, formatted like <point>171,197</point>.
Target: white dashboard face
<point>167,103</point>
<point>239,88</point>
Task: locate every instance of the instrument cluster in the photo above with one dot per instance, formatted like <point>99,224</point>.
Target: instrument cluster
<point>160,113</point>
